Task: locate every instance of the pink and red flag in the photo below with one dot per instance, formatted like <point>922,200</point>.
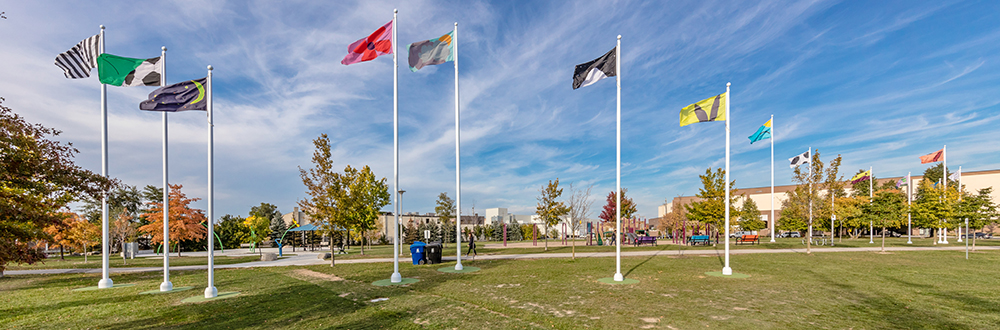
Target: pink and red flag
<point>933,157</point>
<point>366,49</point>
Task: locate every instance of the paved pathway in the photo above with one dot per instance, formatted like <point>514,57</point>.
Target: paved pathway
<point>310,258</point>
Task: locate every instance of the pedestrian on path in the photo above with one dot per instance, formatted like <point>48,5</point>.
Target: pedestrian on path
<point>472,246</point>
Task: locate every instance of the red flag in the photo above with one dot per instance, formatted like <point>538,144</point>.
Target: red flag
<point>366,49</point>
<point>933,157</point>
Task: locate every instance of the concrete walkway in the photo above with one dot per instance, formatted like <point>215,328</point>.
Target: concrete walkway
<point>310,258</point>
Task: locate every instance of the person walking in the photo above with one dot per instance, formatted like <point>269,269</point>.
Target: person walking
<point>472,246</point>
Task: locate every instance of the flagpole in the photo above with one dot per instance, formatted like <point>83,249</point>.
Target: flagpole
<point>959,189</point>
<point>809,232</point>
<point>944,181</point>
<point>772,174</point>
<point>458,167</point>
<point>395,278</point>
<point>166,285</point>
<point>727,270</point>
<point>211,291</point>
<point>618,173</point>
<point>909,219</point>
<point>871,191</point>
<point>105,281</point>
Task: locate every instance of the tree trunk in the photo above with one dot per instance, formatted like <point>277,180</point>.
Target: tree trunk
<point>178,249</point>
<point>973,242</point>
<point>85,253</point>
<point>61,257</point>
<point>809,238</point>
<point>332,252</point>
<point>574,249</point>
<point>546,236</point>
<point>883,239</point>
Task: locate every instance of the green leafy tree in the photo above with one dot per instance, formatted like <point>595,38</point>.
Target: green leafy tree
<point>268,212</point>
<point>37,179</point>
<point>887,210</point>
<point>325,189</point>
<point>549,209</point>
<point>806,195</point>
<point>526,231</point>
<point>445,210</point>
<point>750,216</point>
<point>362,199</point>
<point>711,205</point>
<point>979,209</point>
<point>231,231</point>
<point>934,206</point>
<point>124,199</point>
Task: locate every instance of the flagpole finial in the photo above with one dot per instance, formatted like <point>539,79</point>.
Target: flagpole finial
<point>619,37</point>
<point>102,26</point>
<point>728,83</point>
<point>395,11</point>
<point>456,23</point>
<point>164,48</point>
<point>210,67</point>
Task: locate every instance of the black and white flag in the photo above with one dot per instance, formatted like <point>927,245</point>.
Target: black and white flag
<point>77,62</point>
<point>588,73</point>
<point>799,160</point>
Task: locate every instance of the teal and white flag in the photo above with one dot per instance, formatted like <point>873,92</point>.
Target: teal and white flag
<point>431,52</point>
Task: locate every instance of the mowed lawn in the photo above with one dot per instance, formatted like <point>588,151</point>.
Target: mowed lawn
<point>859,290</point>
<point>117,262</point>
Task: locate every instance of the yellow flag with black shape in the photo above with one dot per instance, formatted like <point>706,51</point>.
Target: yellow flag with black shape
<point>710,109</point>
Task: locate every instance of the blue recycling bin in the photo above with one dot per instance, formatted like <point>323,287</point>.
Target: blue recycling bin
<point>417,252</point>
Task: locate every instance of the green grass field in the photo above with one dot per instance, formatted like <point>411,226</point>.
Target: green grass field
<point>383,251</point>
<point>859,290</point>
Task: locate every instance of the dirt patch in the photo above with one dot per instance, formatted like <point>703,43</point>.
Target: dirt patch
<point>307,275</point>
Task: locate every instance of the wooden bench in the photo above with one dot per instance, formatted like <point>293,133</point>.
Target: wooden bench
<point>640,240</point>
<point>703,239</point>
<point>748,238</point>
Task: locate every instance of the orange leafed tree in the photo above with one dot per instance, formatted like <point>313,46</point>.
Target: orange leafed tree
<point>59,232</point>
<point>185,222</point>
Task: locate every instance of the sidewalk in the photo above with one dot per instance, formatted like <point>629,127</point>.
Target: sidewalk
<point>310,258</point>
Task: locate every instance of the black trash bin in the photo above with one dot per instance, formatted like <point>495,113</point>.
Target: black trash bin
<point>434,252</point>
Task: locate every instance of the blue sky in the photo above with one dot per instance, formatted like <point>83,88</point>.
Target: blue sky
<point>879,82</point>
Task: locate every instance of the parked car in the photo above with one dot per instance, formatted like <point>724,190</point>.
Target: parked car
<point>740,233</point>
<point>791,234</point>
<point>980,236</point>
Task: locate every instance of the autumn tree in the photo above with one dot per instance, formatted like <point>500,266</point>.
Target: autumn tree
<point>123,230</point>
<point>59,232</point>
<point>84,234</point>
<point>608,212</point>
<point>184,223</point>
<point>711,206</point>
<point>269,213</point>
<point>549,209</point>
<point>257,226</point>
<point>37,179</point>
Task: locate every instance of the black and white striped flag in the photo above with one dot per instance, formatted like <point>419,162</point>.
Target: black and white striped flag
<point>77,62</point>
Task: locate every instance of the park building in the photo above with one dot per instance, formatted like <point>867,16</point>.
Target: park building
<point>972,182</point>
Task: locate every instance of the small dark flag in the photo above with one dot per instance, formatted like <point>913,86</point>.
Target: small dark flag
<point>600,68</point>
<point>183,96</point>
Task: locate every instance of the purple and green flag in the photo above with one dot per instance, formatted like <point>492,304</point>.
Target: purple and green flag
<point>182,96</point>
<point>431,52</point>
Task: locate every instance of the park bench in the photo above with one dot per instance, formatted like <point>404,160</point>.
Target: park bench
<point>703,239</point>
<point>748,238</point>
<point>640,240</point>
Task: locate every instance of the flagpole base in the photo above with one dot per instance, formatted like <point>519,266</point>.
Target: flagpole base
<point>396,278</point>
<point>458,266</point>
<point>105,283</point>
<point>727,271</point>
<point>619,277</point>
<point>211,292</point>
<point>166,286</point>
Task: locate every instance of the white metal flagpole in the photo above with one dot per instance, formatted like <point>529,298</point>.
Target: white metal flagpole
<point>772,174</point>
<point>909,200</point>
<point>166,285</point>
<point>944,181</point>
<point>618,175</point>
<point>726,270</point>
<point>871,191</point>
<point>395,278</point>
<point>106,281</point>
<point>458,165</point>
<point>211,291</point>
<point>810,231</point>
<point>959,189</point>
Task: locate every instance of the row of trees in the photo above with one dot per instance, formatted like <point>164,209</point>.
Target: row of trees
<point>342,202</point>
